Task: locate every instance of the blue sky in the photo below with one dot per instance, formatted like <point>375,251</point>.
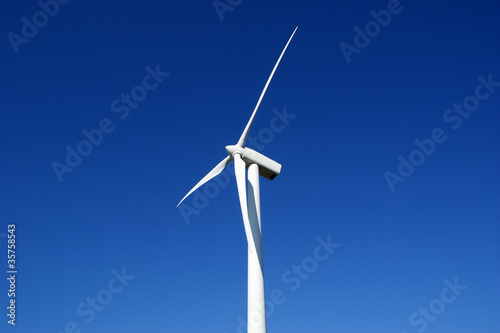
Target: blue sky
<point>384,115</point>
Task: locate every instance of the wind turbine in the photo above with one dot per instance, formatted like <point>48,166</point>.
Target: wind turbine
<point>257,164</point>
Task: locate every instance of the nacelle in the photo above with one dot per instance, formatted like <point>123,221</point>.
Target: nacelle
<point>267,167</point>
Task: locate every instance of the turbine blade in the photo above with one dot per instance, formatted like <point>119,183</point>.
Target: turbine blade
<point>243,137</point>
<point>215,171</point>
<point>239,171</point>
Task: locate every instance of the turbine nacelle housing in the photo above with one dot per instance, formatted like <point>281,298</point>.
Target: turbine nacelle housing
<point>267,167</point>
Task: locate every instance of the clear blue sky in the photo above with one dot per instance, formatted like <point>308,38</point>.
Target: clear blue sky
<point>419,87</point>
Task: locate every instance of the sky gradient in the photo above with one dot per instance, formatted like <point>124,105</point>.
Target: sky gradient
<point>383,114</point>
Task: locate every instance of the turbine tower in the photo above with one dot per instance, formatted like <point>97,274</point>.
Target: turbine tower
<point>249,195</point>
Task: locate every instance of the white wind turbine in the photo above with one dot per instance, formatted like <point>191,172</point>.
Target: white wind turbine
<point>257,164</point>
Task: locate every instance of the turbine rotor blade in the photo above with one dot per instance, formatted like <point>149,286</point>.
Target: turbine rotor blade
<point>239,171</point>
<point>215,171</point>
<point>243,137</point>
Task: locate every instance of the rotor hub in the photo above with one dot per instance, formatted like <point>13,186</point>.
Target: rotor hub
<point>235,149</point>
